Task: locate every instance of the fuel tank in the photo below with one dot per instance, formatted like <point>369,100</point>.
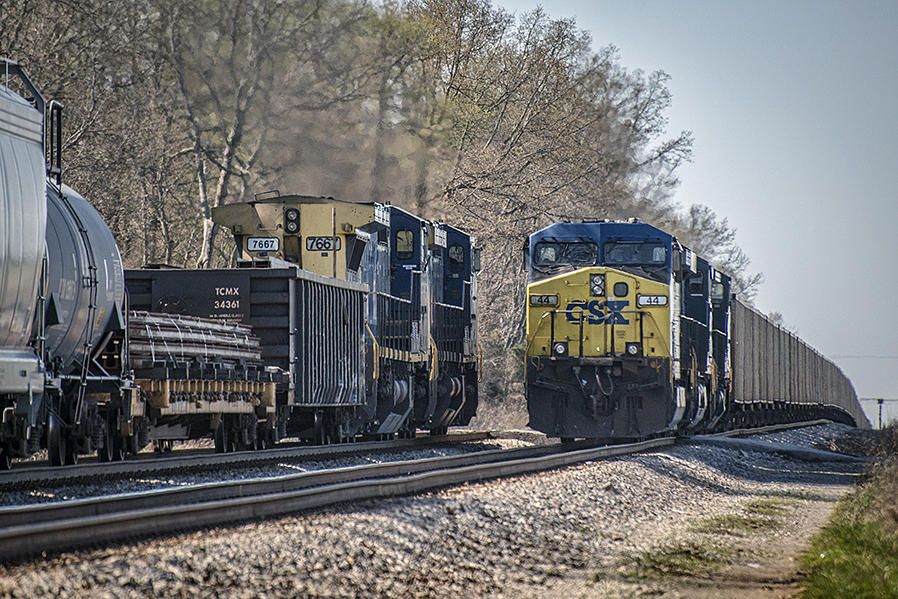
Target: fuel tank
<point>86,285</point>
<point>23,181</point>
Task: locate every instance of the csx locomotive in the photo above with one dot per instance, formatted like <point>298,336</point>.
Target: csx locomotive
<point>371,329</point>
<point>421,312</point>
<point>631,334</point>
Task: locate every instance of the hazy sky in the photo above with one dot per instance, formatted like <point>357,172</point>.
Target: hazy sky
<point>794,106</point>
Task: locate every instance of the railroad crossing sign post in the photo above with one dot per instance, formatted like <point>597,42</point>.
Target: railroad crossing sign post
<point>879,401</point>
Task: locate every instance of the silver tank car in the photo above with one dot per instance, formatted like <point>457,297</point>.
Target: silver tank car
<point>23,182</point>
<point>81,250</point>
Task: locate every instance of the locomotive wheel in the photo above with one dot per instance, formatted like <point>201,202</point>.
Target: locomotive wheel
<point>113,449</point>
<point>56,445</point>
<point>265,437</point>
<point>71,454</point>
<point>104,451</point>
<point>221,438</point>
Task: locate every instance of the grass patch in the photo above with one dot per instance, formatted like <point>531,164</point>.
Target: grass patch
<point>768,507</point>
<point>852,558</point>
<point>737,525</point>
<point>856,553</point>
<point>684,559</point>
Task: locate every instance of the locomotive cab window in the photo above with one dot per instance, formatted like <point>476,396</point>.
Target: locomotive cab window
<point>405,244</point>
<point>696,285</point>
<point>456,258</point>
<point>636,254</point>
<point>560,253</point>
<point>717,294</point>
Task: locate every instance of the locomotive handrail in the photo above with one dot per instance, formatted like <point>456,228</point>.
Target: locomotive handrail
<point>452,306</point>
<point>434,363</point>
<point>698,322</point>
<point>391,297</point>
<point>376,352</point>
<point>480,365</point>
<point>552,329</point>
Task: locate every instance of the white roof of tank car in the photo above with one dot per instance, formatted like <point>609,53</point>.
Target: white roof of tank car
<point>18,117</point>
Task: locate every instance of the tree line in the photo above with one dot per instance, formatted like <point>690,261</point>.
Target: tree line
<point>453,109</point>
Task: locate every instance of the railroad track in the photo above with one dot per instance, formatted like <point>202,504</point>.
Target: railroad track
<point>44,476</point>
<point>53,527</point>
<point>33,529</point>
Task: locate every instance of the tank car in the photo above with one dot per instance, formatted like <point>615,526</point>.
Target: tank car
<point>631,334</point>
<point>421,317</point>
<point>23,178</point>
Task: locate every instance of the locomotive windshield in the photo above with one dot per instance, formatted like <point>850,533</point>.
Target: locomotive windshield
<point>565,254</point>
<point>635,254</point>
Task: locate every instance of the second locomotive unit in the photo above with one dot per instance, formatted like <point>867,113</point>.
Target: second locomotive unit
<point>631,334</point>
<point>421,316</point>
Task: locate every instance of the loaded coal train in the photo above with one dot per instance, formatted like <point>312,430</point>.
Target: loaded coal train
<point>381,341</point>
<point>631,334</point>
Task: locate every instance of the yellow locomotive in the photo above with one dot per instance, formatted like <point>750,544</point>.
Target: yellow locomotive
<point>630,334</point>
<point>613,349</point>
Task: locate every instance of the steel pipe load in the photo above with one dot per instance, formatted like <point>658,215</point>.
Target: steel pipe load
<point>171,338</point>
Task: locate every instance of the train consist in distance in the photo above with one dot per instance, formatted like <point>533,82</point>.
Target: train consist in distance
<point>372,332</point>
<point>630,334</point>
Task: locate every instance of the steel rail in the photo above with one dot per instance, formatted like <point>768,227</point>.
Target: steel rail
<point>772,428</point>
<point>93,471</point>
<point>93,522</point>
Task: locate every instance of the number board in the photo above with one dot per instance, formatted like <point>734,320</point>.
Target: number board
<point>262,244</point>
<point>543,300</point>
<point>651,300</point>
<point>322,244</point>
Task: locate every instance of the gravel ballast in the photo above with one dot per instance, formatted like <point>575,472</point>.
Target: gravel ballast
<point>601,529</point>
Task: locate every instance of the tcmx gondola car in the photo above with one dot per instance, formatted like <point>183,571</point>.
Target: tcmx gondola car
<point>630,334</point>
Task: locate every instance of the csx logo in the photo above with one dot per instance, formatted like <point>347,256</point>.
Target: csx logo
<point>597,312</point>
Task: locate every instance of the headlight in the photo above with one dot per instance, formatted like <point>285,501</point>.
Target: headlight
<point>292,226</point>
<point>291,214</point>
<point>633,349</point>
<point>597,284</point>
<point>560,348</point>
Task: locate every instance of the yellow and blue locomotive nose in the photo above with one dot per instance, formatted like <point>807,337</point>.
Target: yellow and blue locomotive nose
<point>598,312</point>
<point>598,354</point>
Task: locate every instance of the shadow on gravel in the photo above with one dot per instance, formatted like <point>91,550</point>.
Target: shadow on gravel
<point>757,467</point>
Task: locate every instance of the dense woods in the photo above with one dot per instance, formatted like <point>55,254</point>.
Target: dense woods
<point>453,109</point>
